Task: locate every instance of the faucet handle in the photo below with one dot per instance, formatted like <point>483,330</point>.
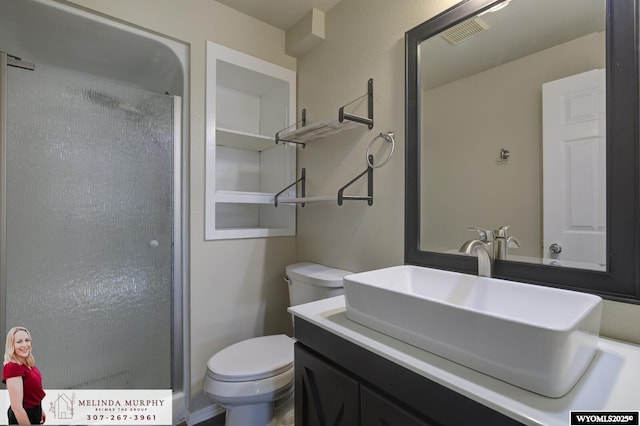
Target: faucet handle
<point>485,235</point>
<point>513,242</point>
<point>502,232</point>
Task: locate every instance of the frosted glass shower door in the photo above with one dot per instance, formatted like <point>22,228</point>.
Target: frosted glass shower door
<point>89,228</point>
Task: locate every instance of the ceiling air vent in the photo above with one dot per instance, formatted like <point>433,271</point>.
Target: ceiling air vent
<point>465,30</point>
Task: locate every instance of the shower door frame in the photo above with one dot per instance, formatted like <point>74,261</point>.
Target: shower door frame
<point>178,323</point>
<point>3,185</point>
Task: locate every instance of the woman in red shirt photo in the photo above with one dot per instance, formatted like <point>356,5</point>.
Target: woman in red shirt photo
<point>23,379</point>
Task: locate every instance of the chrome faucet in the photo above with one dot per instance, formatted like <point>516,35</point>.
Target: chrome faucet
<point>489,246</point>
<point>482,248</point>
<point>502,242</point>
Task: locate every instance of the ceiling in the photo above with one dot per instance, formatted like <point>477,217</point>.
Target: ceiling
<point>520,29</point>
<point>283,14</point>
<point>524,27</point>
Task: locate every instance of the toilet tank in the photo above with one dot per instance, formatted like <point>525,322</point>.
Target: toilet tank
<point>311,281</point>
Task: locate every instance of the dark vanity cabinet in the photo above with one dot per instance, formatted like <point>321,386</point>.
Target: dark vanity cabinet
<point>378,410</point>
<point>325,395</point>
<point>340,383</point>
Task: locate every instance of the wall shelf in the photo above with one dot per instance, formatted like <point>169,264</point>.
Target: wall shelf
<point>308,133</point>
<point>303,200</point>
<point>339,198</point>
<point>323,129</point>
<point>316,131</point>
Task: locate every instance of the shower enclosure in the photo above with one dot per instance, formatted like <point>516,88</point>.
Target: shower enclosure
<point>89,219</point>
<point>91,197</point>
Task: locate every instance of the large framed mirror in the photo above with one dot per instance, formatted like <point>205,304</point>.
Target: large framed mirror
<point>524,114</point>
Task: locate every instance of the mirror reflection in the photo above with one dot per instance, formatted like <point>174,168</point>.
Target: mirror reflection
<point>512,130</point>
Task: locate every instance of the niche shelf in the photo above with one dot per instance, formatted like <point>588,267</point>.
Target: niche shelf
<point>247,101</point>
<point>345,121</point>
<point>242,140</point>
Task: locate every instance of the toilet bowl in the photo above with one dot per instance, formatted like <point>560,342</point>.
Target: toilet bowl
<point>250,378</point>
<point>253,379</point>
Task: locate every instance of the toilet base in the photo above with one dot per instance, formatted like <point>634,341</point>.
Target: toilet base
<point>254,414</point>
<point>285,411</point>
<point>278,413</point>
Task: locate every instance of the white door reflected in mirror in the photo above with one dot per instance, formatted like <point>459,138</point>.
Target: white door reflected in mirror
<point>574,169</point>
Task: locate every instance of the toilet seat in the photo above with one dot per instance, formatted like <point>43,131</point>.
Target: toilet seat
<point>253,359</point>
<point>250,392</point>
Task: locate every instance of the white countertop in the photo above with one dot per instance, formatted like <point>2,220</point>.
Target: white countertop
<point>611,383</point>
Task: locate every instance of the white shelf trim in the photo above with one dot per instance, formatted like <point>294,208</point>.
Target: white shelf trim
<point>240,133</point>
<point>242,140</point>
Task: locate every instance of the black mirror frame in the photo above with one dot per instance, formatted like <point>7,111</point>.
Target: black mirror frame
<point>621,281</point>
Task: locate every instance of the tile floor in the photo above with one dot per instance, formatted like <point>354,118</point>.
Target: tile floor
<point>216,421</point>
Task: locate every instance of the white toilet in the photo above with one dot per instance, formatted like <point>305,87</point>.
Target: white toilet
<point>253,379</point>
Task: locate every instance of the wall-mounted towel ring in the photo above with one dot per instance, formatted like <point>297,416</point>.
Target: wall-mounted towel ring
<point>389,137</point>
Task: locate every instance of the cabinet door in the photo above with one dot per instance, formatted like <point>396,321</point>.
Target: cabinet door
<point>324,396</point>
<point>377,410</point>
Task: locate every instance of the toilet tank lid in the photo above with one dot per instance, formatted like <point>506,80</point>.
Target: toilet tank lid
<point>316,274</point>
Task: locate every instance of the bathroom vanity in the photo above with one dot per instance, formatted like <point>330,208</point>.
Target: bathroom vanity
<point>350,374</point>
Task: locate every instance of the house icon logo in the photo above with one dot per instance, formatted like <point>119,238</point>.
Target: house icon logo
<point>62,407</point>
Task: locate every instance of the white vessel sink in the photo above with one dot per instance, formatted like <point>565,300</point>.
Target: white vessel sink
<point>539,338</point>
